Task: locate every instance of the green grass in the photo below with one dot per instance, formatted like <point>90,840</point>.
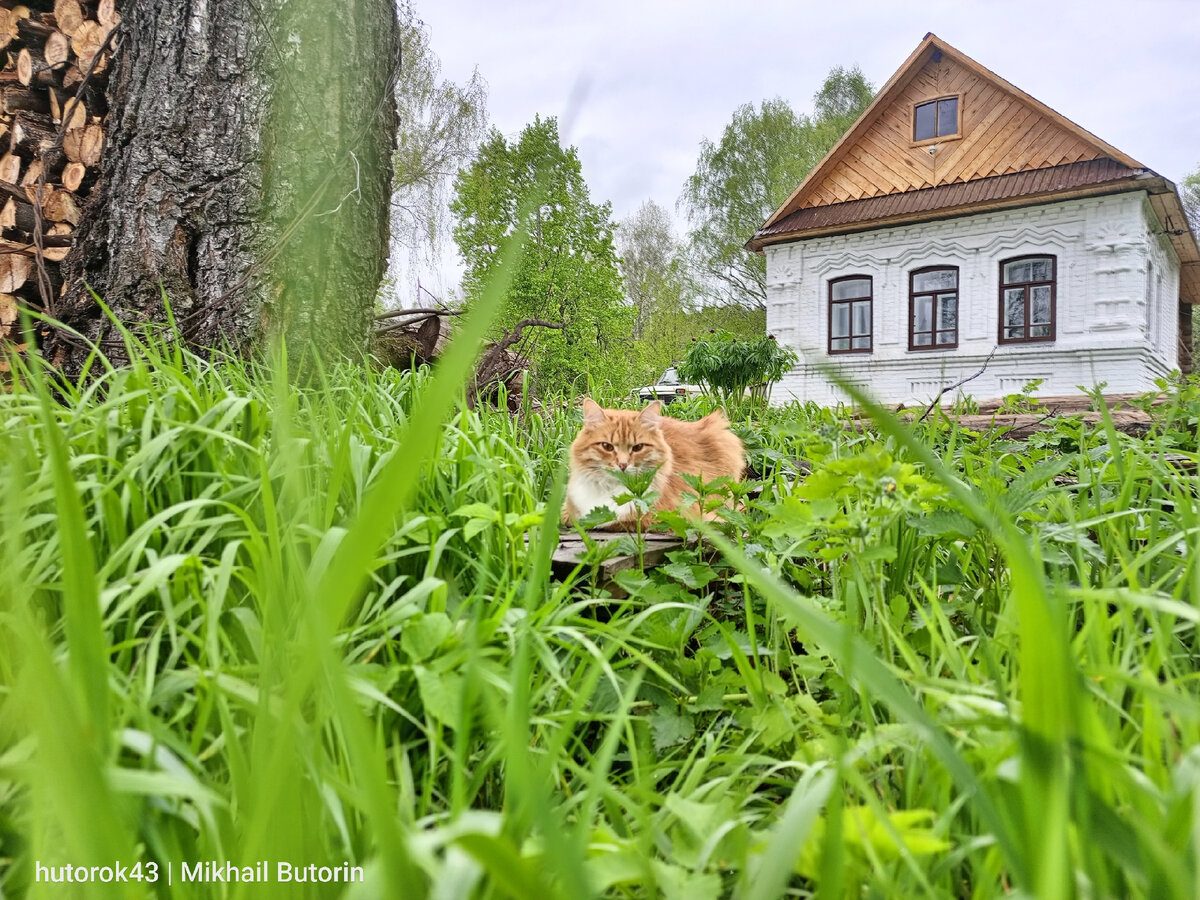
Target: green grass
<point>245,619</point>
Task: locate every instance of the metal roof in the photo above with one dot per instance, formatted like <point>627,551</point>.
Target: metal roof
<point>920,203</point>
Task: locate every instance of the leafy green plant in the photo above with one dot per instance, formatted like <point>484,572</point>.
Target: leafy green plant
<point>735,369</point>
<point>1024,402</point>
<point>242,619</point>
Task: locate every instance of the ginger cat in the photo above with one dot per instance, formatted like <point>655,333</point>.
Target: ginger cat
<point>635,441</point>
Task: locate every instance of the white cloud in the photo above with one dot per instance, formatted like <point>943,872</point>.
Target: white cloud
<point>663,75</point>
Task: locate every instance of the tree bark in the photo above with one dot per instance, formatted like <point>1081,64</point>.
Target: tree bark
<point>331,137</point>
<point>206,193</point>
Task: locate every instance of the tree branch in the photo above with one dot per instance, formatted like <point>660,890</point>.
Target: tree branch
<point>957,384</point>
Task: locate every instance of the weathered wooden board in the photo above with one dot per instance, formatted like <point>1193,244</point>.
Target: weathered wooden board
<point>572,549</point>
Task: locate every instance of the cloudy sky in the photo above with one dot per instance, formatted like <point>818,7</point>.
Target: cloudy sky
<point>657,76</point>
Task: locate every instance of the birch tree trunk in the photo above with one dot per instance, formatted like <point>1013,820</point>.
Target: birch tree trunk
<point>245,176</point>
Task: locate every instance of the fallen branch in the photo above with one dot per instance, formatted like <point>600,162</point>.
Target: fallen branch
<point>957,384</point>
<point>499,363</point>
<point>420,311</point>
<point>1014,431</point>
<point>509,339</point>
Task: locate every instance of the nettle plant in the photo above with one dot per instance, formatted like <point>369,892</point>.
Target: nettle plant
<point>736,370</point>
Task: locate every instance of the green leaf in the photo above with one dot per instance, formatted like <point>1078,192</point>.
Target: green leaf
<point>423,634</point>
<point>670,727</point>
<point>943,523</point>
<point>692,576</point>
<point>441,695</point>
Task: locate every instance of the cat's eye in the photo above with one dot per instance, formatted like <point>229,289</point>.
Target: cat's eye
<point>606,446</point>
<point>637,448</point>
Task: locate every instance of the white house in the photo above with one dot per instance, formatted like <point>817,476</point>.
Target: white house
<point>959,216</point>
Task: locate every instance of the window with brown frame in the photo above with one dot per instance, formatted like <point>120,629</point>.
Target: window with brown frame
<point>1027,295</point>
<point>933,308</point>
<point>936,119</point>
<point>850,314</point>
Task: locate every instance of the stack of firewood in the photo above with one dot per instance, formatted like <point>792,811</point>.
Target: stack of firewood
<point>54,56</point>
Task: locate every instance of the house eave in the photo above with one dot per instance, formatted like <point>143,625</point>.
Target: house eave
<point>759,241</point>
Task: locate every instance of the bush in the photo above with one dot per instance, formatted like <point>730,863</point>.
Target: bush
<point>734,369</point>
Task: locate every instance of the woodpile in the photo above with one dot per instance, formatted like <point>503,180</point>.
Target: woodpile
<point>407,338</point>
<point>54,61</point>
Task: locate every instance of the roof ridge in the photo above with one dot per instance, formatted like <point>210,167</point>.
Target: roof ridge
<point>899,80</point>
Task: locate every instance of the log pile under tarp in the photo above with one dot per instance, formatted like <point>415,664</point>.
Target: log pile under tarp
<point>54,61</point>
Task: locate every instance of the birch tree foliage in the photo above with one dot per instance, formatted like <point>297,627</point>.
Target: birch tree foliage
<point>441,125</point>
<point>1189,192</point>
<point>650,255</point>
<point>763,153</point>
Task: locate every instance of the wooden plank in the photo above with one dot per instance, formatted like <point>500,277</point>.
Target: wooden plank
<point>996,157</point>
<point>902,170</point>
<point>868,172</point>
<point>836,186</point>
<point>849,183</point>
<point>1063,149</point>
<point>993,121</point>
<point>572,550</point>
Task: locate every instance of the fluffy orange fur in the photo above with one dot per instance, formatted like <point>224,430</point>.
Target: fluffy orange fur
<point>637,441</point>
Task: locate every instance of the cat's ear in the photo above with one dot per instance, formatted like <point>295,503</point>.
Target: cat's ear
<point>593,412</point>
<point>651,414</point>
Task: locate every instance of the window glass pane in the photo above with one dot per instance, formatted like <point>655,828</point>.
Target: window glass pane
<point>862,317</point>
<point>936,280</point>
<point>861,343</point>
<point>840,344</point>
<point>841,320</point>
<point>1041,305</point>
<point>923,122</point>
<point>923,340</point>
<point>1039,331</point>
<point>1014,332</point>
<point>670,377</point>
<point>946,337</point>
<point>1014,306</point>
<point>923,314</point>
<point>1016,272</point>
<point>947,311</point>
<point>947,117</point>
<point>852,288</point>
<point>1043,269</point>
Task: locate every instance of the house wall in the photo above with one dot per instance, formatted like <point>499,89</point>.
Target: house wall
<point>1116,303</point>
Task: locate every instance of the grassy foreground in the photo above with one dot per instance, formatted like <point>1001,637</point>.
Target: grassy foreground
<point>242,621</point>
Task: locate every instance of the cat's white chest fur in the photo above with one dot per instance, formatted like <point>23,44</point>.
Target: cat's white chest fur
<point>587,492</point>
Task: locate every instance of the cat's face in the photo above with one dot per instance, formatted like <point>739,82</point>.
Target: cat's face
<point>622,439</point>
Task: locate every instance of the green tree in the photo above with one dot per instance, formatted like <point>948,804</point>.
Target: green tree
<point>648,251</point>
<point>568,268</point>
<point>669,315</point>
<point>1189,192</point>
<point>441,124</point>
<point>763,154</point>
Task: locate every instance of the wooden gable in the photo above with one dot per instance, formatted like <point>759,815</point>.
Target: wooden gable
<point>1003,133</point>
<point>1002,130</point>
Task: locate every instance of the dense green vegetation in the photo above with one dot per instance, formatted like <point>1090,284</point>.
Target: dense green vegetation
<point>734,371</point>
<point>245,620</point>
<point>762,155</point>
<point>567,269</point>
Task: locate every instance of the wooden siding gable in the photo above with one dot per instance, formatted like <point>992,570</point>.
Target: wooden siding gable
<point>1003,130</point>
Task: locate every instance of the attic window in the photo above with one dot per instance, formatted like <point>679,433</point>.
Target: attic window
<point>935,119</point>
